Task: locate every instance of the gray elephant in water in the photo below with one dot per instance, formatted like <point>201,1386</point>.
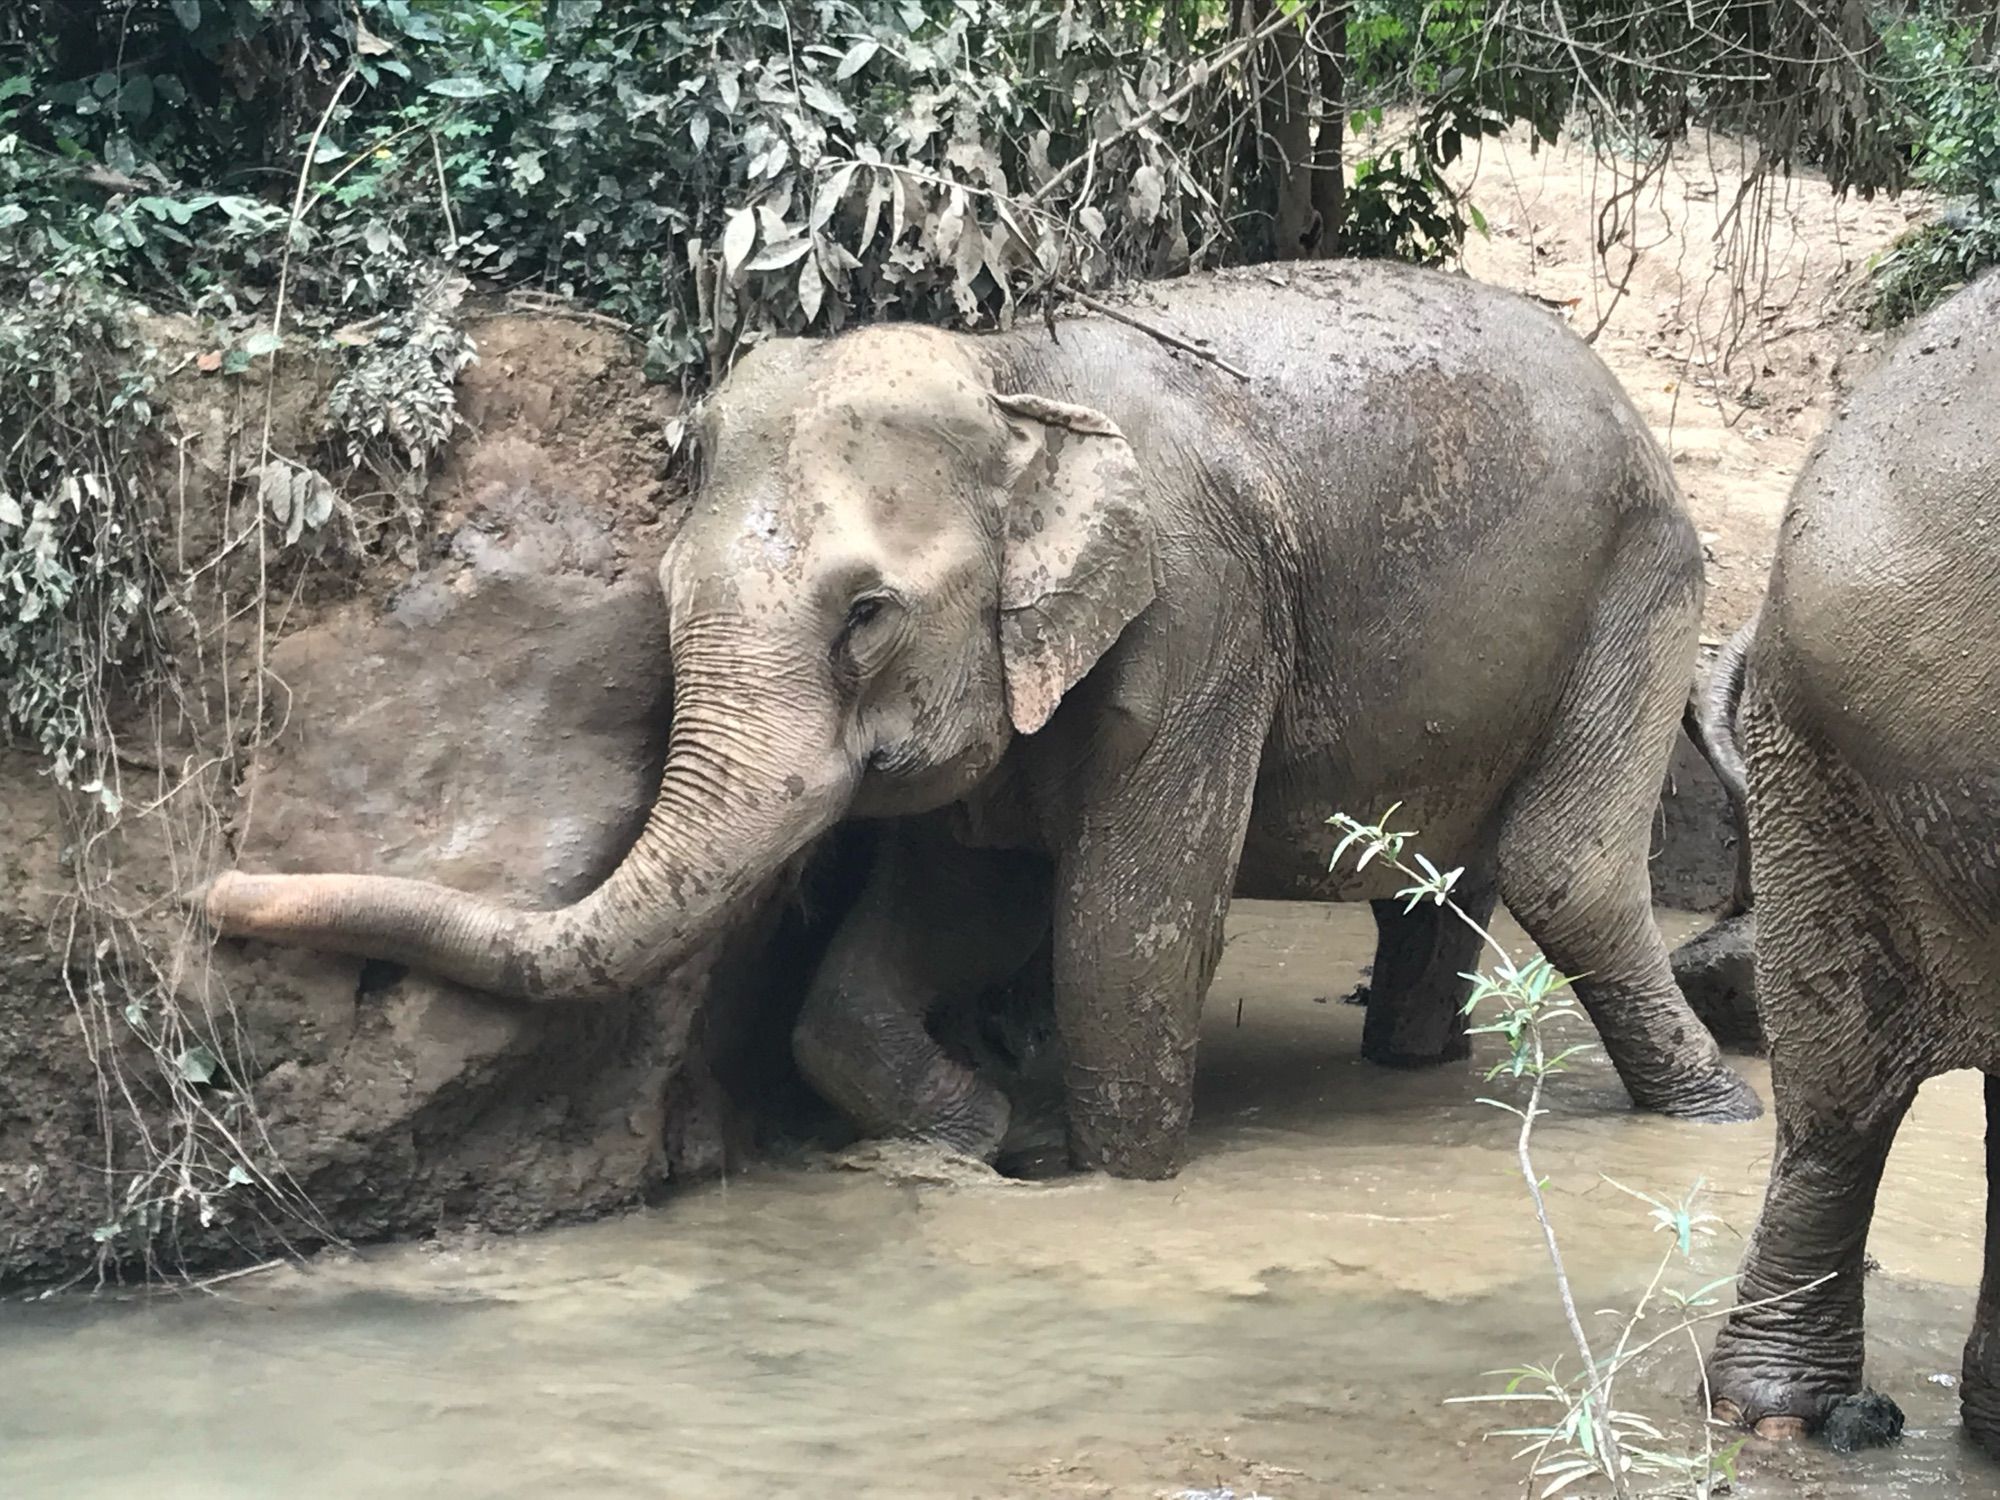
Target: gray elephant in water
<point>1863,707</point>
<point>1117,631</point>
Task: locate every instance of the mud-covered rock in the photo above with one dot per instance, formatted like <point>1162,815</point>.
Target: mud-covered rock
<point>1716,970</point>
<point>1867,1420</point>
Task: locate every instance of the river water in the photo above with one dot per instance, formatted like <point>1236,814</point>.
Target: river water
<point>1349,1247</point>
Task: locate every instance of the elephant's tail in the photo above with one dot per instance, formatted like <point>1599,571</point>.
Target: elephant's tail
<point>1710,721</point>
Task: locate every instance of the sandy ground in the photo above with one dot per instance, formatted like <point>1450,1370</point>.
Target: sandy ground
<point>1737,388</point>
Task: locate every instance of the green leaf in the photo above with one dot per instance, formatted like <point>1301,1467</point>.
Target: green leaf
<point>135,100</point>
<point>830,194</point>
<point>811,290</point>
<point>237,1176</point>
<point>197,1064</point>
<point>188,13</point>
<point>261,343</point>
<point>856,59</point>
<point>235,362</point>
<point>777,257</point>
<point>738,239</point>
<point>460,88</point>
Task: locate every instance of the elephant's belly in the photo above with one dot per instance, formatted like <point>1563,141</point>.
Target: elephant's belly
<point>1289,846</point>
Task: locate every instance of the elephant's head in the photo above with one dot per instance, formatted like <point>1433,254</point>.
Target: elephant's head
<point>889,570</point>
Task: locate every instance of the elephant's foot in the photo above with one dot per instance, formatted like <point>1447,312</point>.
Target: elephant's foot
<point>970,1116</point>
<point>1979,1379</point>
<point>1783,1385</point>
<point>1390,1056</point>
<point>1716,1095</point>
<point>1847,1424</point>
<point>1979,1410</point>
<point>1415,1028</point>
<point>1130,1129</point>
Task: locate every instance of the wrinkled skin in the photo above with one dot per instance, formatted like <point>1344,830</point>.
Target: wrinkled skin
<point>1131,630</point>
<point>1869,730</point>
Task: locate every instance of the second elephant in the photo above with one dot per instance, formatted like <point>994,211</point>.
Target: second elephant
<point>1118,632</point>
<point>1862,712</point>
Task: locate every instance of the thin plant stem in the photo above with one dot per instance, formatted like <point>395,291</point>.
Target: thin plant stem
<point>1607,1442</point>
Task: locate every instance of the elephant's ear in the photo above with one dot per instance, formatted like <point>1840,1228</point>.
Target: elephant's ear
<point>1080,555</point>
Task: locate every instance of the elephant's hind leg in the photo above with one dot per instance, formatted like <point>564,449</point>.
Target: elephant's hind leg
<point>1416,997</point>
<point>1574,839</point>
<point>936,922</point>
<point>1979,1383</point>
<point>1851,1035</point>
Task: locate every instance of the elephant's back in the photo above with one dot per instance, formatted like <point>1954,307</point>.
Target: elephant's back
<point>1459,403</point>
<point>1323,338</point>
<point>1880,641</point>
<point>1884,611</point>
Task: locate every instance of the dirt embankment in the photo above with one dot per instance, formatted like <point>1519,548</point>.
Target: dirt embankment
<point>1735,327</point>
<point>495,719</point>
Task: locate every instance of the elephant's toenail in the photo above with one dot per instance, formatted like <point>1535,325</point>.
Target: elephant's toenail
<point>1781,1429</point>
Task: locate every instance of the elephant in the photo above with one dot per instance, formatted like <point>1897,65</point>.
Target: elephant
<point>1111,630</point>
<point>1862,704</point>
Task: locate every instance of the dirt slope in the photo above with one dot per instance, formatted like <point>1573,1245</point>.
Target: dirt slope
<point>1736,395</point>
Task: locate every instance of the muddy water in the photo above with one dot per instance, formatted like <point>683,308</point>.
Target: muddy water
<point>1349,1247</point>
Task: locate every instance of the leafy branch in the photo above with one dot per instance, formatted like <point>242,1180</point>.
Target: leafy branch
<point>1590,1434</point>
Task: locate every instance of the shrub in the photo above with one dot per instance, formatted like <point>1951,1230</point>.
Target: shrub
<point>1947,72</point>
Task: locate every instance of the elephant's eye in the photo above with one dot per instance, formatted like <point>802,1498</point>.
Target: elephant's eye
<point>859,650</point>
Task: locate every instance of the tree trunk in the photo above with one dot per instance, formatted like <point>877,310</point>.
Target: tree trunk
<point>1287,138</point>
<point>1329,184</point>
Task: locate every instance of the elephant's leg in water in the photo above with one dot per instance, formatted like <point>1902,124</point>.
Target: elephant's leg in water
<point>1979,1381</point>
<point>1851,1036</point>
<point>1142,888</point>
<point>1416,997</point>
<point>937,922</point>
<point>1574,839</point>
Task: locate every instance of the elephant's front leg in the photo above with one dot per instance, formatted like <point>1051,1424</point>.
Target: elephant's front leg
<point>936,922</point>
<point>1142,887</point>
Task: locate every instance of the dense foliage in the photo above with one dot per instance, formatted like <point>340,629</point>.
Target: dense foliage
<point>709,172</point>
<point>1946,64</point>
<point>716,169</point>
<point>76,574</point>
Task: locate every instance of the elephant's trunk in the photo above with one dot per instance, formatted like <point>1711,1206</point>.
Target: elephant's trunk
<point>740,795</point>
